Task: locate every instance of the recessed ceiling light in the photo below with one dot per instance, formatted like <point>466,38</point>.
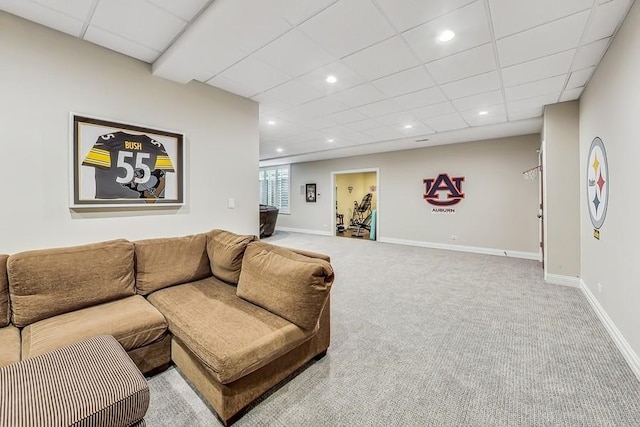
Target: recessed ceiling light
<point>332,79</point>
<point>271,122</point>
<point>279,150</point>
<point>331,140</point>
<point>408,126</point>
<point>446,36</point>
<point>483,113</point>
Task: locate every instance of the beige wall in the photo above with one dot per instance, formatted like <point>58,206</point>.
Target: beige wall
<point>45,75</point>
<point>610,109</point>
<point>562,195</point>
<point>498,212</point>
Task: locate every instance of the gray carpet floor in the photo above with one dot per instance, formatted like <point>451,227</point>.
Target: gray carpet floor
<point>424,337</point>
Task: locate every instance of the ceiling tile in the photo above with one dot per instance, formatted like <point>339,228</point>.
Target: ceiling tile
<point>140,22</point>
<point>532,89</point>
<point>347,78</point>
<point>469,23</point>
<point>382,59</point>
<point>526,114</point>
<point>270,104</point>
<point>344,133</point>
<point>511,17</point>
<point>472,86</point>
<point>319,123</point>
<point>385,133</point>
<point>496,114</point>
<point>580,78</point>
<point>472,62</point>
<point>538,69</point>
<point>305,9</point>
<point>78,9</point>
<point>347,26</point>
<point>232,86</point>
<point>606,19</point>
<point>119,44</point>
<point>416,129</point>
<point>446,123</point>
<point>346,116</point>
<point>420,98</point>
<point>435,110</point>
<point>400,118</point>
<point>571,94</point>
<point>544,40</point>
<point>360,95</point>
<point>184,9</point>
<point>590,54</point>
<point>529,103</point>
<point>293,92</point>
<point>479,102</point>
<point>44,16</point>
<point>404,82</point>
<point>255,74</point>
<point>380,108</point>
<point>410,13</point>
<point>365,125</point>
<point>317,108</point>
<point>294,54</point>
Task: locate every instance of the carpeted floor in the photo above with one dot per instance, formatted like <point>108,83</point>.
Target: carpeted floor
<point>424,337</point>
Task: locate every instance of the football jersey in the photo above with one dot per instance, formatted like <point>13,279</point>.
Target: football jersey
<point>128,166</point>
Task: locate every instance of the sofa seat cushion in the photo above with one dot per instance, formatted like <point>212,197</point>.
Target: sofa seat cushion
<point>232,337</point>
<point>10,345</point>
<point>132,321</point>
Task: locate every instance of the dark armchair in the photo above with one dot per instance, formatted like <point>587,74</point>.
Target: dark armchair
<point>268,218</point>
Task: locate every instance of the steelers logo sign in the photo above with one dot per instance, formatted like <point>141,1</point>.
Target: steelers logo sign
<point>597,183</point>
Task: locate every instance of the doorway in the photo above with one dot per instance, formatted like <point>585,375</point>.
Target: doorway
<point>355,203</point>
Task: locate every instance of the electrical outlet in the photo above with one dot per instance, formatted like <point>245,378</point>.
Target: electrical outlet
<point>454,237</point>
<point>599,288</point>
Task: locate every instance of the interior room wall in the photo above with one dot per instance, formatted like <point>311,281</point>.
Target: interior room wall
<point>45,75</point>
<point>562,195</point>
<point>498,212</point>
<point>609,109</point>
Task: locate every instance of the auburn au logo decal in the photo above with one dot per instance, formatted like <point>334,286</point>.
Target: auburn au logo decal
<point>452,186</point>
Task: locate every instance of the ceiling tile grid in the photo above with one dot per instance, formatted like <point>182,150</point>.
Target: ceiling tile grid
<point>358,71</point>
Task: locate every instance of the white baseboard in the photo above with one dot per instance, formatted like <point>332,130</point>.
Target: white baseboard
<point>627,352</point>
<point>302,230</point>
<point>558,279</point>
<point>474,249</point>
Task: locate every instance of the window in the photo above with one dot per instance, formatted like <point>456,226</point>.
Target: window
<point>274,187</point>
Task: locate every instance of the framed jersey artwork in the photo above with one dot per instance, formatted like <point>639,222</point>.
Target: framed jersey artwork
<point>122,165</point>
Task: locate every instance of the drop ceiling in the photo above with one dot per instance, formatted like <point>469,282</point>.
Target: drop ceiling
<point>396,85</point>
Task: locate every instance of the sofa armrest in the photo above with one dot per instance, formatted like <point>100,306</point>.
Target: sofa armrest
<point>91,382</point>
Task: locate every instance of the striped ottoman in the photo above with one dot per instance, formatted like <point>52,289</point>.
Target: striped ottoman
<point>89,383</point>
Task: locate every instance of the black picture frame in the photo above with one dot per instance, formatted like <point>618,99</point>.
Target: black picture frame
<point>119,165</point>
<point>310,193</point>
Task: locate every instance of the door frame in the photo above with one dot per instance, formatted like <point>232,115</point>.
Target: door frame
<point>333,196</point>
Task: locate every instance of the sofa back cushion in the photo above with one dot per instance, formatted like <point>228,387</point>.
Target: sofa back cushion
<point>291,285</point>
<point>45,283</point>
<point>170,261</point>
<point>226,250</point>
<point>5,314</point>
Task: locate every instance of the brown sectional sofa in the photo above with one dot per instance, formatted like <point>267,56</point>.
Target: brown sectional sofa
<point>235,315</point>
